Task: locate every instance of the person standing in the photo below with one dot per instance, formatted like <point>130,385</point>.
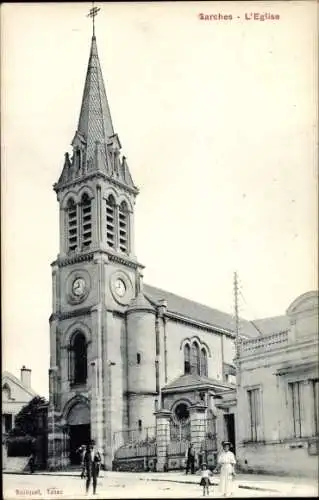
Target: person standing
<point>81,452</point>
<point>226,462</point>
<point>190,459</point>
<point>92,462</point>
<point>32,463</point>
<point>205,481</point>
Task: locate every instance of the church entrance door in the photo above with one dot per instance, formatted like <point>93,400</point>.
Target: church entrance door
<point>79,435</point>
<point>79,426</point>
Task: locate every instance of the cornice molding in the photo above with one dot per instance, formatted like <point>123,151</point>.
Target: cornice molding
<point>70,314</point>
<point>89,256</point>
<point>98,175</point>
<point>74,259</point>
<point>198,324</point>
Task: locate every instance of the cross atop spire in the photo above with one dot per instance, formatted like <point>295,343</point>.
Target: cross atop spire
<point>93,13</point>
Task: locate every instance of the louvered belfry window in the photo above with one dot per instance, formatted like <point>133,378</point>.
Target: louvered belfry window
<point>72,226</point>
<point>86,207</point>
<point>110,221</point>
<point>123,227</point>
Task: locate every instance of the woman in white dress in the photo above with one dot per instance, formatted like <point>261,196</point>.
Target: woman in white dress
<point>226,462</point>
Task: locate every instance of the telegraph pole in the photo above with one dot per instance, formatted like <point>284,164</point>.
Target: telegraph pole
<point>237,341</point>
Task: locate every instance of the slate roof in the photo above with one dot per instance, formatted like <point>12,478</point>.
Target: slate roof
<point>95,122</point>
<point>192,381</point>
<point>215,318</point>
<point>277,324</point>
<point>198,312</point>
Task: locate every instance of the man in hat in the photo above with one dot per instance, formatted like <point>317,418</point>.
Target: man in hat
<point>190,459</point>
<point>92,462</point>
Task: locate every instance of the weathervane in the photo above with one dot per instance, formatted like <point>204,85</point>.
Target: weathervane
<point>93,12</point>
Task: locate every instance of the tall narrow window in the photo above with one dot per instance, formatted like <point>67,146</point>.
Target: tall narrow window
<point>138,358</point>
<point>72,226</point>
<point>295,400</point>
<point>86,207</point>
<point>110,221</point>
<point>203,362</point>
<point>195,359</point>
<point>78,359</point>
<point>315,390</point>
<point>254,412</point>
<point>7,422</point>
<point>123,227</point>
<point>187,359</point>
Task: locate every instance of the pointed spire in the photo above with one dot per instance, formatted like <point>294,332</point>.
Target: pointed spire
<point>96,147</point>
<point>95,122</point>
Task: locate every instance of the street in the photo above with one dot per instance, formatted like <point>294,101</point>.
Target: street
<point>126,485</point>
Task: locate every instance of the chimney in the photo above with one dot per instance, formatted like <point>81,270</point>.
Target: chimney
<point>26,377</point>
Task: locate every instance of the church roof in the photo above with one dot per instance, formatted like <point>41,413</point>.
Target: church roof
<point>95,122</point>
<point>199,312</point>
<point>192,381</point>
<point>195,311</point>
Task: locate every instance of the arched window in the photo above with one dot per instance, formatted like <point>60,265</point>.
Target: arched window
<point>203,362</point>
<point>6,392</point>
<point>86,219</point>
<point>72,226</point>
<point>110,221</point>
<point>123,227</point>
<point>195,359</point>
<point>187,359</point>
<point>78,359</point>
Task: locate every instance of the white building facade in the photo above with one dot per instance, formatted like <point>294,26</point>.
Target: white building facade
<point>277,395</point>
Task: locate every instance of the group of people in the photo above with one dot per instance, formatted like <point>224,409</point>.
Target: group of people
<point>90,464</point>
<point>226,462</point>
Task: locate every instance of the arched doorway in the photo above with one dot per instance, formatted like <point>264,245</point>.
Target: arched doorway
<point>78,421</point>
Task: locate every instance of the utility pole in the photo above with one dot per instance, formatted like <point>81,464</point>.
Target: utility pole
<point>237,341</point>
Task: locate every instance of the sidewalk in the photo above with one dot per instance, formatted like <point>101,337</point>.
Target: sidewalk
<point>277,484</point>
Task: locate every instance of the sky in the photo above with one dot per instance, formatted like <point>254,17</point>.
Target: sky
<point>218,121</point>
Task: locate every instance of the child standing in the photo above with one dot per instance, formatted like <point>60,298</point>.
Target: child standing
<point>205,481</point>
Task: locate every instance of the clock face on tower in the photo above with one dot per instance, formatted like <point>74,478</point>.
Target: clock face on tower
<point>120,287</point>
<point>78,287</point>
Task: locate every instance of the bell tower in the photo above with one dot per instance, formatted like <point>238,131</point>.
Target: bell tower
<point>94,278</point>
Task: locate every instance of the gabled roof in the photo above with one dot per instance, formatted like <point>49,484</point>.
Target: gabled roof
<point>16,381</point>
<point>198,312</point>
<point>190,382</point>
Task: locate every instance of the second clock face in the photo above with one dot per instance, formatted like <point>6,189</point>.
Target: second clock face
<point>120,287</point>
<point>78,287</point>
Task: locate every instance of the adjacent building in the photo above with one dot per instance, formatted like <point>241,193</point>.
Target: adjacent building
<point>277,393</point>
<point>15,395</point>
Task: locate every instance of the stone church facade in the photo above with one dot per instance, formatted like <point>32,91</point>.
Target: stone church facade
<point>122,352</point>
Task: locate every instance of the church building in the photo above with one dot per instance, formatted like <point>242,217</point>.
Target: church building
<point>122,351</point>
